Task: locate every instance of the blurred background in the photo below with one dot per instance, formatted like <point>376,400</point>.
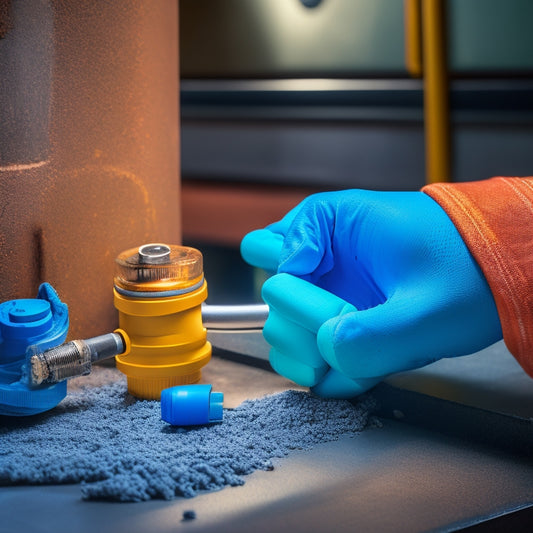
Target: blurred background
<point>281,98</point>
<point>201,120</point>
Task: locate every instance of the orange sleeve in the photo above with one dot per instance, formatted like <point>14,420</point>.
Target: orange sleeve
<point>495,219</point>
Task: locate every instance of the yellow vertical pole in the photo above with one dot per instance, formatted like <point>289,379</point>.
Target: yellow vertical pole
<point>436,97</point>
<point>413,37</point>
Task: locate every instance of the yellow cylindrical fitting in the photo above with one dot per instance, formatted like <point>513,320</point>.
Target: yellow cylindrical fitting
<point>158,292</point>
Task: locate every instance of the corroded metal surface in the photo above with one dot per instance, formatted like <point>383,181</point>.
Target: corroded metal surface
<point>102,174</point>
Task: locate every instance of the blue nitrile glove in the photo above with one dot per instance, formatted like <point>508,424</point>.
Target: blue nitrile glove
<point>368,284</point>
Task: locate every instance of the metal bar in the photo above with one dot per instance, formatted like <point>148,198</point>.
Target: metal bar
<point>413,37</point>
<point>234,317</point>
<point>436,97</point>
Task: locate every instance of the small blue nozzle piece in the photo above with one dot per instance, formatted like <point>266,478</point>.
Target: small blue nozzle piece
<point>191,405</point>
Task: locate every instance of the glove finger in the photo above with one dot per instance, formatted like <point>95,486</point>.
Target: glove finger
<point>337,385</point>
<point>297,311</point>
<point>283,225</point>
<point>262,248</point>
<point>302,302</point>
<point>307,247</point>
<point>287,337</point>
<point>295,370</point>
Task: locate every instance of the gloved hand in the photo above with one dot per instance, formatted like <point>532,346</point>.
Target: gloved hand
<point>368,284</point>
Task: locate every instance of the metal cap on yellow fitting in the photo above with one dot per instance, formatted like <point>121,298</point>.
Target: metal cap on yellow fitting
<point>158,270</point>
<point>159,290</point>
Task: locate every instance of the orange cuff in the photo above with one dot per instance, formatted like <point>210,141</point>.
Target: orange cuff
<point>495,219</point>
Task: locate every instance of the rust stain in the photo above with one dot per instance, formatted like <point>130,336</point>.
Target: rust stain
<point>5,17</point>
<point>23,166</point>
<point>139,184</point>
<point>38,255</point>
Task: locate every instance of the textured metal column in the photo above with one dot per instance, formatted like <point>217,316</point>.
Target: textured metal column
<point>89,145</point>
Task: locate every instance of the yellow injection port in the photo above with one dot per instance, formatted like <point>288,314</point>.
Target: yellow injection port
<point>158,292</point>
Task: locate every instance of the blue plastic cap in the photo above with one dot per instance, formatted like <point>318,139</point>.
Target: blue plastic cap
<point>42,320</point>
<point>21,320</point>
<point>191,405</point>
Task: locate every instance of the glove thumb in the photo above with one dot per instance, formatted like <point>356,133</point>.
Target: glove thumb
<point>376,342</point>
<point>409,330</point>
